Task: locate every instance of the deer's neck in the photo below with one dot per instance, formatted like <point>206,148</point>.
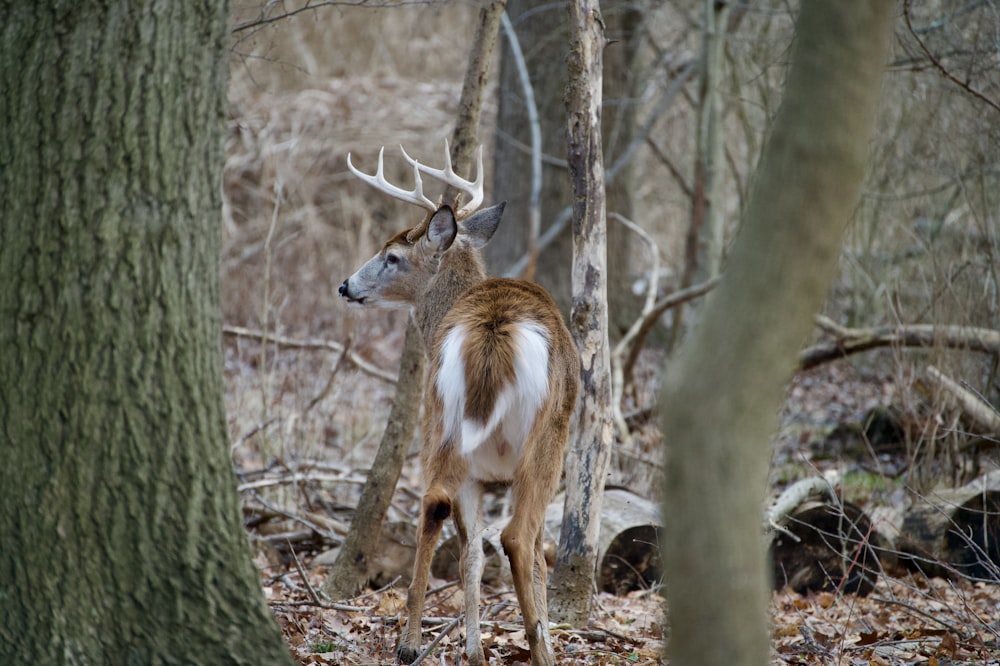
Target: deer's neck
<point>461,267</point>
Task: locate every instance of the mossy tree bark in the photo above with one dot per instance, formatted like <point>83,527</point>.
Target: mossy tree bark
<point>120,524</point>
<point>722,394</point>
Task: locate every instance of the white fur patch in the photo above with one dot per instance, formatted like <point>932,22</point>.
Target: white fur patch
<point>517,404</point>
<point>451,383</point>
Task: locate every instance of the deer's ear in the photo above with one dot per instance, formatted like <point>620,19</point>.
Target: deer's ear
<point>442,228</point>
<point>479,228</point>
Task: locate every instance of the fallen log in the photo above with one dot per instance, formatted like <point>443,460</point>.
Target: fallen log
<point>819,542</point>
<point>980,415</point>
<point>628,547</point>
<point>955,531</point>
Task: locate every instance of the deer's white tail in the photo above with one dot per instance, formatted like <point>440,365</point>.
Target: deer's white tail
<point>490,379</point>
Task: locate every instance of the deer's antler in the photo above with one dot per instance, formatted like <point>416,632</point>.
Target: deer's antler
<point>448,176</point>
<point>378,181</point>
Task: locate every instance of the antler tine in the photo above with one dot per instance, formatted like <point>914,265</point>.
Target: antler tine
<point>378,181</point>
<point>448,176</point>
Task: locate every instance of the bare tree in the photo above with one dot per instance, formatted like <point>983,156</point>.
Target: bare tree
<point>588,458</point>
<point>723,391</point>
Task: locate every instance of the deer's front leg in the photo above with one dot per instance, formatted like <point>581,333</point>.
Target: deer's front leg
<point>435,508</point>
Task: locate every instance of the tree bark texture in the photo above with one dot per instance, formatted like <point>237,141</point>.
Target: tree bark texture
<point>120,522</point>
<point>589,454</point>
<point>722,393</point>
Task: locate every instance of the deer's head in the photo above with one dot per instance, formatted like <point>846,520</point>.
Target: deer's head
<point>400,273</point>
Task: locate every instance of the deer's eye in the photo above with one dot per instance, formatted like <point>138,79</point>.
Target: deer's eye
<point>391,259</point>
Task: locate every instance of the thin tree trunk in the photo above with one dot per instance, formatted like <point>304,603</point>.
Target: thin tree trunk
<point>351,569</point>
<point>587,461</point>
<point>722,394</point>
<point>703,248</point>
<point>711,140</point>
<point>120,523</point>
<point>621,91</point>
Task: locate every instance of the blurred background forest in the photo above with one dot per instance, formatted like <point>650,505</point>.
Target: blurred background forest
<point>690,88</point>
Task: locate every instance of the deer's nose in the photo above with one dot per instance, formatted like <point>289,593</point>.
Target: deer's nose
<point>343,289</point>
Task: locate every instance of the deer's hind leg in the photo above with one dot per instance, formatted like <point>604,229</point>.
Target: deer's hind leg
<point>438,503</point>
<point>469,523</point>
<point>534,485</point>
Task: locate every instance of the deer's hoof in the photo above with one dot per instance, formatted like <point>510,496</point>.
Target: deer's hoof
<point>407,654</point>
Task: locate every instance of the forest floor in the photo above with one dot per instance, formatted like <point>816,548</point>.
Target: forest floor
<point>909,618</point>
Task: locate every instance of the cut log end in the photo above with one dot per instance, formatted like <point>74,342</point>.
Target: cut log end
<point>956,532</point>
<point>836,550</point>
<point>631,561</point>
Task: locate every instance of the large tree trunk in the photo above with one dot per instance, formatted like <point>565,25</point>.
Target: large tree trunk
<point>543,33</point>
<point>722,395</point>
<point>120,524</point>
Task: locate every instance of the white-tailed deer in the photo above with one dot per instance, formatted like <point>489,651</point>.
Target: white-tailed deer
<point>501,386</point>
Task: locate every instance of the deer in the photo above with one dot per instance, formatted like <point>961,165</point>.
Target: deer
<point>500,388</point>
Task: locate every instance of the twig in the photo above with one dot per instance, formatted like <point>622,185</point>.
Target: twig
<point>329,382</point>
<point>265,384</point>
<point>312,343</point>
<point>940,67</point>
<point>437,639</point>
<point>295,478</point>
<point>253,431</point>
<point>662,305</point>
<point>305,579</point>
<point>600,634</point>
<point>556,228</point>
<point>623,349</point>
<point>922,613</point>
<point>263,19</point>
<point>981,414</point>
<point>299,519</point>
<point>322,604</point>
<point>663,104</point>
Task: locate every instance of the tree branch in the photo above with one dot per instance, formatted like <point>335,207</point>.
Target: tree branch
<point>264,18</point>
<point>940,67</point>
<point>847,341</point>
<point>312,343</point>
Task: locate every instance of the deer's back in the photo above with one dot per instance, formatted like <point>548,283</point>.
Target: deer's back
<point>503,356</point>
